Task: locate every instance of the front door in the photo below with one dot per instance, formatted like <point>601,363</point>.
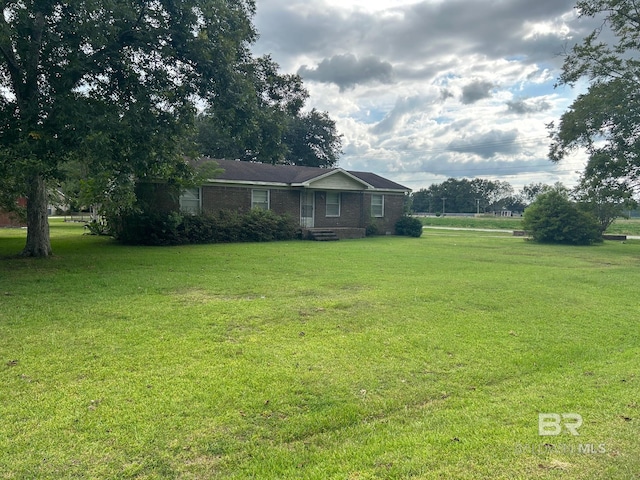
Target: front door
<point>307,208</point>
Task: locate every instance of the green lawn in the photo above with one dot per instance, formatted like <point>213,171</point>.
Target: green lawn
<point>619,226</point>
<point>381,358</point>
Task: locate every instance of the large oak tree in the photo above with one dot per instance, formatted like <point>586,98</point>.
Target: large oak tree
<point>312,140</point>
<point>265,122</point>
<point>250,121</point>
<point>606,119</point>
<point>112,84</point>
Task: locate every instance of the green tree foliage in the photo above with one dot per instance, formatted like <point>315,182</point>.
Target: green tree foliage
<point>113,84</point>
<point>604,200</point>
<point>421,201</point>
<point>263,121</point>
<point>409,227</point>
<point>464,196</point>
<point>492,194</point>
<point>311,140</point>
<point>530,192</point>
<point>553,218</point>
<point>513,203</point>
<point>606,120</point>
<point>458,195</point>
<point>250,121</point>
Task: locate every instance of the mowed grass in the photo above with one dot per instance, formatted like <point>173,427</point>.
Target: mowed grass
<point>621,226</point>
<point>387,358</point>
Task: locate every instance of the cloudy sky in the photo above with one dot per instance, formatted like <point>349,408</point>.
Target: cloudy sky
<point>427,90</point>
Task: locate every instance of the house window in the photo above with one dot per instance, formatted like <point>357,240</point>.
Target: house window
<point>333,204</point>
<point>260,199</point>
<point>377,205</point>
<point>190,201</point>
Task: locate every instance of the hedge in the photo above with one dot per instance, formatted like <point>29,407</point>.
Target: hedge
<point>223,227</point>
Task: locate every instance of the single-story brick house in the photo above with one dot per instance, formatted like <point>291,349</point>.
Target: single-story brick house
<point>333,199</point>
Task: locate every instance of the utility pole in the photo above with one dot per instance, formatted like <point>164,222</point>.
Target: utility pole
<point>443,199</point>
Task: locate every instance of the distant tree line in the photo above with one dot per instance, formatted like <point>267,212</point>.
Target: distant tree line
<point>473,196</point>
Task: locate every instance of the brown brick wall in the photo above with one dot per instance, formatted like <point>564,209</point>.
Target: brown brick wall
<point>393,210</point>
<point>355,207</point>
<point>350,211</point>
<point>215,198</point>
<point>9,219</point>
<point>286,201</point>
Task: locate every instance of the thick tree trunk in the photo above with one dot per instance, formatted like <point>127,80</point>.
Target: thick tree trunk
<point>38,242</point>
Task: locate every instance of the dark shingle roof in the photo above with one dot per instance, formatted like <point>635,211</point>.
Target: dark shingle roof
<point>377,181</point>
<point>264,172</point>
<point>291,174</point>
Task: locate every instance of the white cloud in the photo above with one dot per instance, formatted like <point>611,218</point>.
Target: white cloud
<point>369,5</point>
<point>424,90</point>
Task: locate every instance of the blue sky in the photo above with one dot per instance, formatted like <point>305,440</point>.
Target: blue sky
<point>427,90</point>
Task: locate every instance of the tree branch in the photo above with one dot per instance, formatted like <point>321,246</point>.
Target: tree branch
<point>33,61</point>
<point>10,59</point>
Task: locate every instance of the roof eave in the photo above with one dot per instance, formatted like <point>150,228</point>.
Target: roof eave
<point>393,190</point>
<point>216,181</point>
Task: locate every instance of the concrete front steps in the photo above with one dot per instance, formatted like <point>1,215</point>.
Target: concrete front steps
<point>322,235</point>
<point>332,234</point>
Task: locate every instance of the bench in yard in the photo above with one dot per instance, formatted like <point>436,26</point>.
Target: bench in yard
<point>621,238</point>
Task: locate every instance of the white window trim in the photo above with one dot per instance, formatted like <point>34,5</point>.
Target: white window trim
<point>255,204</point>
<point>199,207</point>
<point>339,204</point>
<point>375,195</point>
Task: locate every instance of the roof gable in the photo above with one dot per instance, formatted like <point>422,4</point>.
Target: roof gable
<point>337,179</point>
